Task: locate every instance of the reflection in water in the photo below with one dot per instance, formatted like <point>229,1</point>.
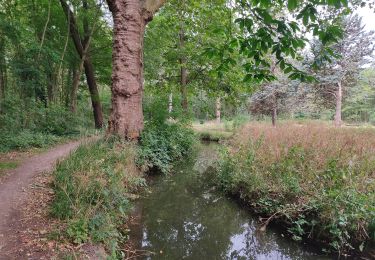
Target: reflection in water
<point>184,218</point>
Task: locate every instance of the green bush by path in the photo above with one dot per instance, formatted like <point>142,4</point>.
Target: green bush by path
<point>26,139</point>
<point>317,180</point>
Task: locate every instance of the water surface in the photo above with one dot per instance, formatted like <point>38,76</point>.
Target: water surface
<point>183,217</point>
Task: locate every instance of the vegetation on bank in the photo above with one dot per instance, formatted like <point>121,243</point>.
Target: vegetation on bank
<point>316,179</point>
<point>94,185</point>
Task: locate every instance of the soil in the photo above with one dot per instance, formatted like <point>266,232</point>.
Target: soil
<point>25,194</point>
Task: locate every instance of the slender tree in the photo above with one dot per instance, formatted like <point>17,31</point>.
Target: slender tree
<point>80,44</point>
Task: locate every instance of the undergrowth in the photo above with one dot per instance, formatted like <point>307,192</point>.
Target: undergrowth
<point>33,125</point>
<point>91,189</point>
<point>317,180</point>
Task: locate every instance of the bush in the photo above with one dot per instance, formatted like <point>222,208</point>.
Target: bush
<point>164,140</point>
<point>57,120</point>
<point>164,143</point>
<point>91,188</point>
<point>26,123</point>
<point>25,140</point>
<point>316,179</point>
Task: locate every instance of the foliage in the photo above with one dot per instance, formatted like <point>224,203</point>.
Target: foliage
<point>316,179</point>
<point>25,140</point>
<point>38,61</point>
<point>34,125</point>
<point>163,144</point>
<point>166,137</point>
<point>91,188</point>
<point>361,99</point>
<point>347,58</point>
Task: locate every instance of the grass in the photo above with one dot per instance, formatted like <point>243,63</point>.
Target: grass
<point>4,166</point>
<point>213,131</point>
<point>92,189</point>
<point>8,165</point>
<point>317,180</point>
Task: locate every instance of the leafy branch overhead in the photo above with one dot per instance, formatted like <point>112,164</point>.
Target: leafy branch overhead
<point>279,30</point>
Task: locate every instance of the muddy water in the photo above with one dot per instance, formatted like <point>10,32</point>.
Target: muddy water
<point>183,217</point>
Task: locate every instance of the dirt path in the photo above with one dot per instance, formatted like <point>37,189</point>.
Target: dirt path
<point>14,191</point>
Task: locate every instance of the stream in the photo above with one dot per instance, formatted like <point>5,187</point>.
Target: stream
<point>184,217</point>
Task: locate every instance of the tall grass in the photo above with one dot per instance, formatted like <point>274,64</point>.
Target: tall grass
<point>318,180</point>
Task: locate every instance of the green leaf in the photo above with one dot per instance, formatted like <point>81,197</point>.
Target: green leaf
<point>288,70</point>
<point>292,4</point>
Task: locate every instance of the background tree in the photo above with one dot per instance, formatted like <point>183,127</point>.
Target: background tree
<point>82,45</point>
<point>349,55</point>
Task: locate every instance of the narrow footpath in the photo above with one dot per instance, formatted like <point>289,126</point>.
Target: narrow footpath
<point>16,197</point>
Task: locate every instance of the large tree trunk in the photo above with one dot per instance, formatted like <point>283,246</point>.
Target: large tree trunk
<point>218,110</point>
<point>183,72</point>
<point>130,18</point>
<point>338,120</point>
<point>89,68</point>
<point>127,78</point>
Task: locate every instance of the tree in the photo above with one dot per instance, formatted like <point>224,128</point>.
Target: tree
<point>349,55</point>
<point>82,45</point>
<point>270,99</point>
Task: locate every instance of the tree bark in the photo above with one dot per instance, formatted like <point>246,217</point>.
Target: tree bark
<point>274,116</point>
<point>73,92</point>
<point>183,72</point>
<point>130,18</point>
<point>89,68</point>
<point>3,70</point>
<point>170,103</point>
<point>218,110</point>
<point>338,120</point>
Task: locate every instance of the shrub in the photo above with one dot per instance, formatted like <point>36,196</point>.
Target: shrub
<point>25,139</point>
<point>162,144</point>
<point>57,120</point>
<point>164,140</point>
<point>26,123</point>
